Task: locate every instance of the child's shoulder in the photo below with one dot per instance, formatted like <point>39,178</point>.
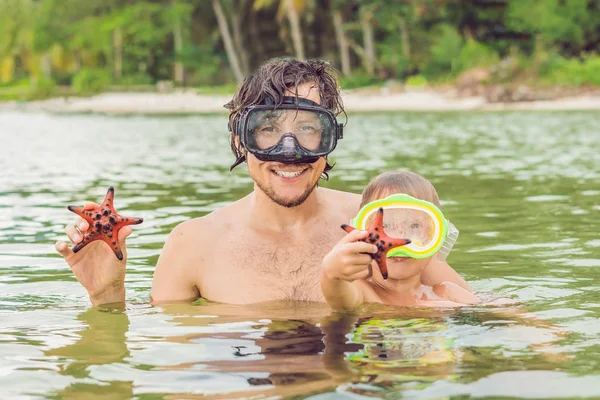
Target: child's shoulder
<point>453,292</point>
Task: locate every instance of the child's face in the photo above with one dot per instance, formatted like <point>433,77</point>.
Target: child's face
<point>412,224</point>
<point>405,223</point>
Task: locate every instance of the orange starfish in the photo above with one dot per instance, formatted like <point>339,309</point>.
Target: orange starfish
<point>378,237</point>
<point>105,224</point>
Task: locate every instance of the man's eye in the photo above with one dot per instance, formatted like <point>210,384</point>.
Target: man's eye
<point>308,128</point>
<point>267,129</point>
<point>415,226</point>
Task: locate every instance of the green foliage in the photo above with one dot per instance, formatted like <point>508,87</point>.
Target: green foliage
<point>89,81</point>
<point>556,70</point>
<point>554,20</point>
<point>473,55</point>
<point>416,81</point>
<point>218,90</point>
<point>15,90</point>
<point>140,42</point>
<point>135,79</point>
<point>41,88</point>
<point>359,79</point>
<point>208,67</point>
<point>391,57</point>
<point>444,50</point>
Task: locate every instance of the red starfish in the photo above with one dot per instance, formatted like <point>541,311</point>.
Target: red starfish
<point>105,224</point>
<point>378,237</point>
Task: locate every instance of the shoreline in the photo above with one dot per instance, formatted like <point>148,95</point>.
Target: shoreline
<point>189,102</point>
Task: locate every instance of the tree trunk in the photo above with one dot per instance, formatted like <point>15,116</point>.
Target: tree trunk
<point>405,39</point>
<point>118,46</point>
<point>361,53</point>
<point>179,71</point>
<point>224,29</point>
<point>368,41</point>
<point>47,65</point>
<point>292,14</point>
<point>256,40</point>
<point>342,42</point>
<point>7,69</point>
<point>237,37</point>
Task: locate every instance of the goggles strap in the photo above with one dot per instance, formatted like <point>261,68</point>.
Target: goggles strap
<point>237,162</point>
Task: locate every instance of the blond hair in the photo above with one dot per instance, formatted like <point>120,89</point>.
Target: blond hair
<point>400,181</point>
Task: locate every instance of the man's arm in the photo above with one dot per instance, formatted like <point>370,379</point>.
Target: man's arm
<point>437,272</point>
<point>176,270</point>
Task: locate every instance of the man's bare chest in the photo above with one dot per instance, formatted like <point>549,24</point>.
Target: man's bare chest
<point>257,268</point>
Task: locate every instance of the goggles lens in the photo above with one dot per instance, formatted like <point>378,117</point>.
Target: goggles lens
<point>407,223</point>
<point>314,130</point>
<point>409,218</point>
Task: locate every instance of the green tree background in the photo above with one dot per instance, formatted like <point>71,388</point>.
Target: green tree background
<point>93,45</point>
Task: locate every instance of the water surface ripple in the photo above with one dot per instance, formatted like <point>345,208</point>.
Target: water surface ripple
<point>522,187</point>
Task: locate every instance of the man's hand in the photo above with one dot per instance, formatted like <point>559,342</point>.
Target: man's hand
<point>349,259</point>
<point>95,266</point>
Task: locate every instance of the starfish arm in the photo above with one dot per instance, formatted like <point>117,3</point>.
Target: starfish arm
<point>87,239</point>
<point>115,246</point>
<point>397,242</point>
<point>348,228</point>
<point>382,263</point>
<point>109,198</point>
<point>128,221</point>
<point>77,210</point>
<point>378,219</point>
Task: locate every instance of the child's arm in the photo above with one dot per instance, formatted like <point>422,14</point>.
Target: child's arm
<point>340,295</point>
<point>343,265</point>
<point>453,292</point>
<point>437,272</point>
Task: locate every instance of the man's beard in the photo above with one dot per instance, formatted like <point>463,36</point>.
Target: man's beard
<point>287,203</point>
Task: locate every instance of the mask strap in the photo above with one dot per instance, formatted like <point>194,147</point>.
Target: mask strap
<point>237,162</point>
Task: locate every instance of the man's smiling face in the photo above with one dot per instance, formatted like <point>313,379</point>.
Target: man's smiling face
<point>288,185</point>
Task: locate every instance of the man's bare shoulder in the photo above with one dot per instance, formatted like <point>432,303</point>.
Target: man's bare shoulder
<point>346,201</point>
<point>203,228</point>
<point>187,253</point>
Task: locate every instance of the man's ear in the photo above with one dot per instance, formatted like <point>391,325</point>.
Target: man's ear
<point>238,144</point>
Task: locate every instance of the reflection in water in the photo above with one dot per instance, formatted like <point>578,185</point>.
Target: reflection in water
<point>101,342</point>
<point>400,343</point>
<point>521,187</point>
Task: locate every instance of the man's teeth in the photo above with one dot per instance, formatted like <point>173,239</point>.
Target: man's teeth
<point>289,174</point>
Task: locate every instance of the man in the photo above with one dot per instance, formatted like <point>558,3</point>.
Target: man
<point>268,245</point>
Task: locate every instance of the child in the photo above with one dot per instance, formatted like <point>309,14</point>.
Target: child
<point>412,211</point>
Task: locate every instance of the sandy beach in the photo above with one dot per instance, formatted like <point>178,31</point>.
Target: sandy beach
<point>191,102</point>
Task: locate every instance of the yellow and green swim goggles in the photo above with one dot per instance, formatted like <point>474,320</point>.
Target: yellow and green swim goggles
<point>409,218</point>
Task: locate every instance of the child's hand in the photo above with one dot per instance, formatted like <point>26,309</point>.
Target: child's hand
<point>347,260</point>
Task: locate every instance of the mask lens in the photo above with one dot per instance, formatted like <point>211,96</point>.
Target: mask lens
<point>416,225</point>
<point>313,130</point>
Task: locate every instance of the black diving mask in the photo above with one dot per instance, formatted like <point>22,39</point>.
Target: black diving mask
<point>297,131</point>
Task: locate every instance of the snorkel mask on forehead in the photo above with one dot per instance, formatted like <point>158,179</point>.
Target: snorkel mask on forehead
<point>409,218</point>
<point>297,131</point>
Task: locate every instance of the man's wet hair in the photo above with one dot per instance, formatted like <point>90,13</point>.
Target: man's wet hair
<point>273,78</point>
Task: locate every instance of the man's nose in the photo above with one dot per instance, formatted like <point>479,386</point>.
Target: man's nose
<point>289,148</point>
